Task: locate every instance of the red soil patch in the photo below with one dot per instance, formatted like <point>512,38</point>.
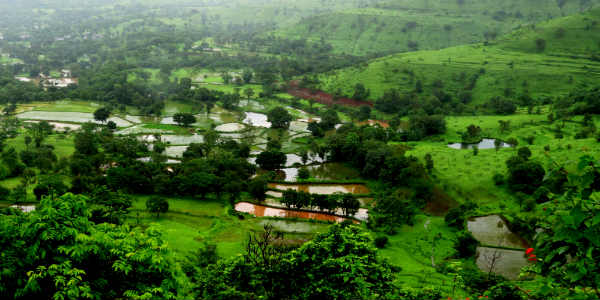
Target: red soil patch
<point>322,97</point>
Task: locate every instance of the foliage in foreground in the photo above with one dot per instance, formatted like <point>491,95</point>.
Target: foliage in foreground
<point>57,252</point>
<point>339,264</point>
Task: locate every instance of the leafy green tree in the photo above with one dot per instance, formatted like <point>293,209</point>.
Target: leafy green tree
<point>567,250</point>
<point>360,92</point>
<point>247,76</point>
<point>157,205</point>
<point>329,119</point>
<point>315,129</point>
<point>271,160</point>
<point>184,119</point>
<point>339,264</point>
<point>102,114</point>
<point>364,113</point>
<point>279,118</point>
<point>39,131</point>
<point>249,92</point>
<point>50,185</point>
<point>60,254</point>
<point>349,204</point>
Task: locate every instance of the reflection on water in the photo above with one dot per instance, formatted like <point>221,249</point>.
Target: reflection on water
<point>492,230</point>
<point>323,189</point>
<point>264,211</point>
<point>333,171</point>
<point>230,127</point>
<point>24,208</point>
<point>484,144</point>
<point>256,120</point>
<point>508,263</point>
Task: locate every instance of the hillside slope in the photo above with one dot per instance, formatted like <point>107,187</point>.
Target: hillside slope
<point>547,59</point>
<point>409,25</point>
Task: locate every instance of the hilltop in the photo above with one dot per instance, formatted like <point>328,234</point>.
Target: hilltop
<point>410,25</point>
<point>544,60</point>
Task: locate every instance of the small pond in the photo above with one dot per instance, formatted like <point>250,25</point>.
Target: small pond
<point>256,120</point>
<point>484,144</point>
<point>24,208</point>
<point>175,139</point>
<point>333,171</point>
<point>230,127</point>
<point>75,117</point>
<point>362,214</point>
<point>175,151</point>
<point>323,189</point>
<point>264,211</point>
<point>508,262</point>
<point>140,129</point>
<point>493,230</point>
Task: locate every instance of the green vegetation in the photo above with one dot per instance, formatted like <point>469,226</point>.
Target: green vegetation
<point>410,25</point>
<point>269,150</point>
<point>510,66</point>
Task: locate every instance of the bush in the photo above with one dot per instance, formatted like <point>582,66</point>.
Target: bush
<point>498,179</point>
<point>466,245</point>
<point>303,173</point>
<point>381,241</point>
<point>455,218</point>
<point>529,204</point>
<point>504,291</point>
<point>427,293</point>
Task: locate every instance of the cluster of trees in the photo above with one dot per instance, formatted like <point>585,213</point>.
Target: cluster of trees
<point>339,264</point>
<point>330,203</point>
<point>329,119</point>
<point>56,251</point>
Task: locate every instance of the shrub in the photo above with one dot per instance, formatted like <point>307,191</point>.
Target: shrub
<point>498,179</point>
<point>381,241</point>
<point>529,204</point>
<point>455,218</point>
<point>303,173</point>
<point>466,245</point>
<point>504,291</point>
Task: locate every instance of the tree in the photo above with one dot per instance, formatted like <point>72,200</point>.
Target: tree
<point>60,254</point>
<point>10,109</point>
<point>540,44</point>
<point>226,77</point>
<point>349,204</point>
<point>271,159</point>
<point>315,129</point>
<point>157,205</point>
<point>111,125</point>
<point>102,114</point>
<point>249,92</point>
<point>184,119</point>
<point>39,132</point>
<point>247,75</point>
<point>303,173</point>
<point>504,126</point>
<point>429,162</point>
<point>329,119</point>
<point>567,249</point>
<point>340,264</point>
<point>364,113</point>
<point>360,92</point>
<point>279,118</point>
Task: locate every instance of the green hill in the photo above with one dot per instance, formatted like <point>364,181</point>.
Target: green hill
<point>548,59</point>
<point>409,25</point>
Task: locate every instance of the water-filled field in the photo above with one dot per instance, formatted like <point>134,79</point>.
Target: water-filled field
<point>75,117</point>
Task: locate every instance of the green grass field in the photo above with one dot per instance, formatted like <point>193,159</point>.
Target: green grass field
<point>391,26</point>
<point>190,222</point>
<point>509,63</point>
<point>467,177</point>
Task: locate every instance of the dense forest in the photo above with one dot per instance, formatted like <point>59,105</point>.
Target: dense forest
<point>364,149</point>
